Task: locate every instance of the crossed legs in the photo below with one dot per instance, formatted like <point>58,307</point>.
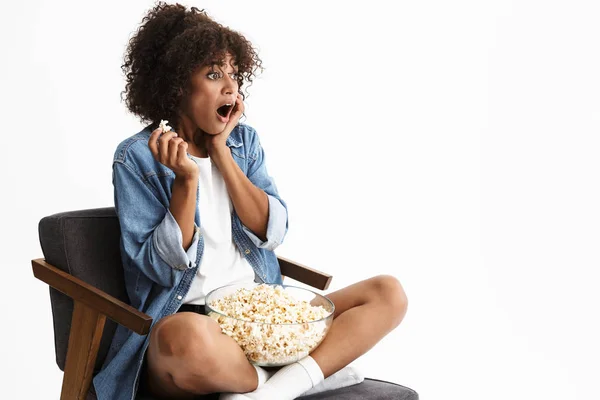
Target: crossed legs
<point>188,355</point>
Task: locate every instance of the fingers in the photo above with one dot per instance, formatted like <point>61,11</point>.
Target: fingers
<point>163,146</point>
<point>182,152</point>
<point>152,142</point>
<point>236,113</point>
<point>174,145</point>
<point>239,106</point>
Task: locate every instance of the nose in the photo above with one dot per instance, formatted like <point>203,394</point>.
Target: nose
<point>230,86</point>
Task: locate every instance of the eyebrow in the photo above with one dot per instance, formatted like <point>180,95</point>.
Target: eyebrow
<point>220,63</point>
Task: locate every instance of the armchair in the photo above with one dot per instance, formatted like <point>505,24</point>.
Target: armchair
<point>82,266</point>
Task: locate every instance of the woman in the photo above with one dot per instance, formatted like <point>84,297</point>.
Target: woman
<point>198,210</point>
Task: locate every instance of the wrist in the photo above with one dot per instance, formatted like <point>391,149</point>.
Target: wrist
<point>219,153</point>
<point>186,178</point>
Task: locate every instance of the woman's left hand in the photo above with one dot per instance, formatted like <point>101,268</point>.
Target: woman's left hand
<point>216,144</point>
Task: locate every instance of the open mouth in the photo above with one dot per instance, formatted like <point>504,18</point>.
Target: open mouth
<point>225,110</point>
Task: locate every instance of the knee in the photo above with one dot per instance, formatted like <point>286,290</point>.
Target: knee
<point>388,291</point>
<point>188,342</point>
<point>179,335</point>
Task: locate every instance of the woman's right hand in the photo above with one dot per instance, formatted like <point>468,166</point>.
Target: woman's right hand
<point>171,151</point>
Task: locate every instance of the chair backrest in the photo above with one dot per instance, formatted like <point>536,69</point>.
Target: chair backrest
<point>85,244</point>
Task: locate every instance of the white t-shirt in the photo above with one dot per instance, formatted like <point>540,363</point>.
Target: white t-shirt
<point>222,263</point>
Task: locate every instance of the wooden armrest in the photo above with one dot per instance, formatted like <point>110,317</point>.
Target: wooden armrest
<point>304,274</point>
<point>120,312</point>
<point>91,306</point>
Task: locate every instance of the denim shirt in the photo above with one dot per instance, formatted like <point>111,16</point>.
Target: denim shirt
<point>157,270</point>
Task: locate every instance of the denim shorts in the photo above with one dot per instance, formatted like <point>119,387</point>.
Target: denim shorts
<point>143,386</point>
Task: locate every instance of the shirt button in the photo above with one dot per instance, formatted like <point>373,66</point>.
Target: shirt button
<point>179,297</point>
<point>247,251</point>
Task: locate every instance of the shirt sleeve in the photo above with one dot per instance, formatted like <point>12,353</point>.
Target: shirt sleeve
<point>277,224</point>
<point>150,236</point>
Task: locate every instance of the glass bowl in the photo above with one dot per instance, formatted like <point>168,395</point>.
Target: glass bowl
<point>270,344</point>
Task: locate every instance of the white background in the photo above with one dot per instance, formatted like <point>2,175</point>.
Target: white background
<point>452,144</point>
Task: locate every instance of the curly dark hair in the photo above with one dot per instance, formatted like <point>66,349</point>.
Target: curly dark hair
<point>169,46</point>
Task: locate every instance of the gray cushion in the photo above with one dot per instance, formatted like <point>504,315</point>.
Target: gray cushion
<point>371,389</point>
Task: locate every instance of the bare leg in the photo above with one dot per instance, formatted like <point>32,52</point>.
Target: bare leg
<point>365,312</point>
<point>189,355</point>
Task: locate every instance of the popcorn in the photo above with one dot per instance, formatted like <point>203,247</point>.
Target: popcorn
<point>271,326</point>
<point>163,125</point>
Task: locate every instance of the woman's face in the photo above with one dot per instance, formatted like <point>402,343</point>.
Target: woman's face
<point>213,87</point>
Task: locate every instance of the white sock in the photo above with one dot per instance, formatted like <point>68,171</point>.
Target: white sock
<point>263,375</point>
<point>347,376</point>
<point>286,384</point>
<point>313,370</point>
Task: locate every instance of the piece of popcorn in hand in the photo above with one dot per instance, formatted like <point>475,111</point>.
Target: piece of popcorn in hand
<point>163,125</point>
